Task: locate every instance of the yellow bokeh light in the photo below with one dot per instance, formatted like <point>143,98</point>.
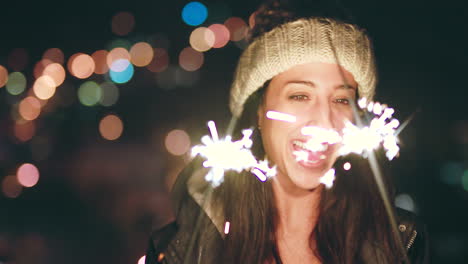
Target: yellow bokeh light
<point>27,175</point>
<point>81,65</point>
<point>177,142</point>
<point>190,59</point>
<point>237,27</point>
<point>122,23</point>
<point>11,188</point>
<point>100,60</point>
<point>118,59</point>
<point>56,72</point>
<point>141,53</point>
<point>29,108</point>
<point>111,127</point>
<point>160,61</point>
<point>44,87</point>
<point>54,55</point>
<point>3,76</point>
<point>202,39</point>
<point>142,260</point>
<point>222,35</point>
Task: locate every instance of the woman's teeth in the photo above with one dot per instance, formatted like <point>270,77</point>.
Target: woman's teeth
<point>311,146</point>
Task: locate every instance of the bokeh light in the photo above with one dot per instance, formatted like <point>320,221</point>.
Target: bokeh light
<point>100,61</point>
<point>110,94</point>
<point>451,172</point>
<point>465,180</point>
<point>237,27</point>
<point>141,54</point>
<point>119,43</point>
<point>111,127</point>
<point>222,35</point>
<point>44,87</point>
<point>27,175</point>
<point>81,65</point>
<point>123,23</point>
<point>177,142</point>
<point>3,76</point>
<point>29,108</point>
<point>142,260</point>
<point>194,13</point>
<point>16,83</point>
<point>18,59</point>
<point>202,39</point>
<point>24,131</point>
<point>89,93</point>
<point>160,61</point>
<point>40,66</point>
<point>123,76</point>
<point>252,19</point>
<point>11,188</point>
<point>118,59</point>
<point>190,59</point>
<point>56,72</point>
<point>54,55</point>
<point>405,201</point>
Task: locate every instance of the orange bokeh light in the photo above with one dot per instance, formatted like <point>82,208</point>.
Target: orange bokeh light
<point>222,35</point>
<point>190,59</point>
<point>11,188</point>
<point>202,39</point>
<point>27,175</point>
<point>122,23</point>
<point>142,54</point>
<point>3,76</point>
<point>54,55</point>
<point>160,60</point>
<point>24,131</point>
<point>177,142</point>
<point>40,67</point>
<point>111,127</point>
<point>237,27</point>
<point>56,72</point>
<point>118,59</point>
<point>44,87</point>
<point>29,108</point>
<point>81,65</point>
<point>100,60</point>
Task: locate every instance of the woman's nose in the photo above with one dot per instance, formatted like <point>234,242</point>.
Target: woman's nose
<point>321,115</point>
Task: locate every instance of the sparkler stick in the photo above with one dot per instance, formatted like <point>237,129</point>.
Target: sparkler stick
<point>374,167</point>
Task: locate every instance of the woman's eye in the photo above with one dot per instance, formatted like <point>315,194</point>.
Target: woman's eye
<point>342,101</point>
<point>299,97</point>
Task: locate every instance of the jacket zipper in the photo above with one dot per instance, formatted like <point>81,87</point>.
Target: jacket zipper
<point>411,241</point>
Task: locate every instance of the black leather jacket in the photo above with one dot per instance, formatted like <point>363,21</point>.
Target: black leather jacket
<point>169,244</point>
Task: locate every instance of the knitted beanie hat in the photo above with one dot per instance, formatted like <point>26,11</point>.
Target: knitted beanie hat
<point>299,42</point>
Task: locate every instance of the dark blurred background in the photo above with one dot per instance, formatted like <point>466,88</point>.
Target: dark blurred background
<point>107,146</point>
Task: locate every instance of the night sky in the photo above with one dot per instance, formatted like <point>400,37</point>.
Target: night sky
<point>97,200</point>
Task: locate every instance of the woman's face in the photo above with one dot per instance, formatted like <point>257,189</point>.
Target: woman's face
<point>316,94</point>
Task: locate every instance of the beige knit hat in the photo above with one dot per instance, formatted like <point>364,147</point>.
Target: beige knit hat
<point>304,41</point>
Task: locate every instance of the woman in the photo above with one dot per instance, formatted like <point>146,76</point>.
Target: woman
<point>314,69</point>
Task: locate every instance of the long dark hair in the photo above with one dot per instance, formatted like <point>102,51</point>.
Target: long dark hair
<point>351,214</point>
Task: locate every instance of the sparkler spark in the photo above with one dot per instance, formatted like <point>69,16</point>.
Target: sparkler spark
<point>328,178</point>
<point>224,154</point>
<point>281,116</point>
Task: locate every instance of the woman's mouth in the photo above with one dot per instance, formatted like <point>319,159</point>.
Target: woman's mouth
<point>309,154</point>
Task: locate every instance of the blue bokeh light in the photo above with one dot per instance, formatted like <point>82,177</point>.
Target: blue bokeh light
<point>123,76</point>
<point>194,13</point>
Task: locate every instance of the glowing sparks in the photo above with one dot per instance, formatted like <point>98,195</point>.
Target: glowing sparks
<point>381,131</point>
<point>227,225</point>
<point>281,116</point>
<point>347,166</point>
<point>328,178</point>
<point>224,154</point>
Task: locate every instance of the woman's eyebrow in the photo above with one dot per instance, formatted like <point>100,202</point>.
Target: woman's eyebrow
<point>346,87</point>
<point>308,83</point>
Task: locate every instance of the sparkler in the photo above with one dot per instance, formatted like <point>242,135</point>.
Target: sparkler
<point>224,154</point>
